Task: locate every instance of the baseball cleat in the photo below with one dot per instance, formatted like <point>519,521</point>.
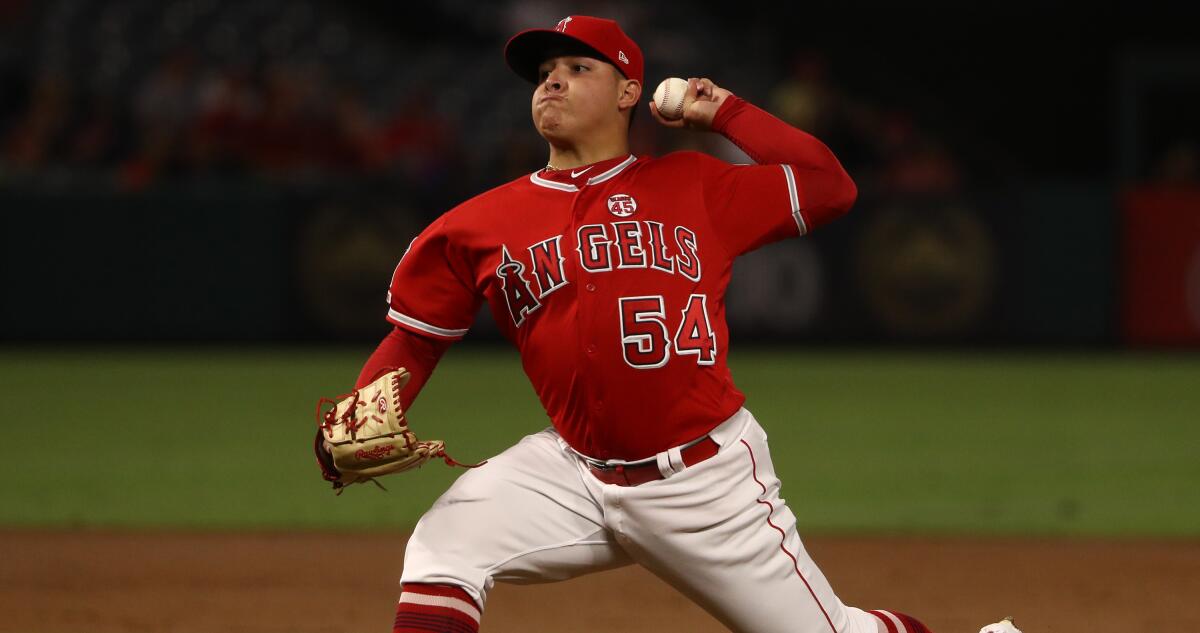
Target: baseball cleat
<point>1003,626</point>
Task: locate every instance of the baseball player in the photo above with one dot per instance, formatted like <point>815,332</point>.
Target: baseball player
<point>608,271</point>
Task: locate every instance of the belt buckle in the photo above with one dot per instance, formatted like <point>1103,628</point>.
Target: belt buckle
<point>612,473</point>
<point>607,466</point>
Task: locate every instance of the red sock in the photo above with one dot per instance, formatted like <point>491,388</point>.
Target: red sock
<point>435,609</point>
<point>900,623</point>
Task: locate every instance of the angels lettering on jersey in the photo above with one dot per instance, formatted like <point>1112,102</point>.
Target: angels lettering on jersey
<point>529,274</point>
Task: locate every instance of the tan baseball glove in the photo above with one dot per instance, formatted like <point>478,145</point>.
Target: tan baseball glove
<point>364,435</point>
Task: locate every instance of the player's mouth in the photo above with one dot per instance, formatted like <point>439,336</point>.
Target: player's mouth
<point>545,98</point>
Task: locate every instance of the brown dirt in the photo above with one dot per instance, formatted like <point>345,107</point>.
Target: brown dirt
<point>102,582</point>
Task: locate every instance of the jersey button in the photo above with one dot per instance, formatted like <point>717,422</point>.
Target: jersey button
<point>591,348</point>
<point>591,287</point>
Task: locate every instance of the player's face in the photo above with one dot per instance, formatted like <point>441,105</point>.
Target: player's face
<point>577,97</point>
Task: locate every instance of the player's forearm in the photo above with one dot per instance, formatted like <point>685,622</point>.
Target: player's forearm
<point>768,140</point>
<point>827,190</point>
<point>400,348</point>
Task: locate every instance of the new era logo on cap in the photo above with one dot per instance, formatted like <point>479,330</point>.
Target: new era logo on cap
<point>527,49</point>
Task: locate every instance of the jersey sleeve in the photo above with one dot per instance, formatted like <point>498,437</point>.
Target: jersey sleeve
<point>750,205</point>
<point>430,293</point>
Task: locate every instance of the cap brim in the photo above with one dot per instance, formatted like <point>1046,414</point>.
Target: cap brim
<point>528,49</point>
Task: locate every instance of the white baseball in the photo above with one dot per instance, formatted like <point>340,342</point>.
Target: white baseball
<point>668,97</point>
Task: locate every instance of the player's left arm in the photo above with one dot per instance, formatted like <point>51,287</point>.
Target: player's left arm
<point>823,189</point>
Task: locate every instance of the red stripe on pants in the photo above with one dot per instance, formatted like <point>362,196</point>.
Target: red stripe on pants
<point>783,537</point>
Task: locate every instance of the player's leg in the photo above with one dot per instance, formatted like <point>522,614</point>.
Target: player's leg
<point>896,622</point>
<point>523,517</point>
<point>720,533</point>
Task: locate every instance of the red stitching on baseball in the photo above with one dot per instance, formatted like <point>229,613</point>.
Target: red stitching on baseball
<point>667,97</point>
<point>783,536</point>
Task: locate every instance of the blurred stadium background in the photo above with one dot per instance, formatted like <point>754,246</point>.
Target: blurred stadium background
<point>212,170</point>
<point>202,202</point>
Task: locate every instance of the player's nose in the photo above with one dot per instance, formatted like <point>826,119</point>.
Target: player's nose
<point>554,82</point>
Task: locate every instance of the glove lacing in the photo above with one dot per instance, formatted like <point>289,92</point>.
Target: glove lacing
<point>328,419</point>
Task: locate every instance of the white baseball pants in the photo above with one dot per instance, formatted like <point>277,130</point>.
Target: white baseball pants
<point>717,531</point>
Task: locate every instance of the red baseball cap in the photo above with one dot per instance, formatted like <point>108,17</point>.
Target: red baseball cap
<point>528,49</point>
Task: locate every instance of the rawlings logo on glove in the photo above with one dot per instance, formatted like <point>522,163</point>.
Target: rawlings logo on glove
<point>374,454</point>
<point>357,442</point>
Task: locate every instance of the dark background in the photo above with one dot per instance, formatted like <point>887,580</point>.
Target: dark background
<point>217,171</point>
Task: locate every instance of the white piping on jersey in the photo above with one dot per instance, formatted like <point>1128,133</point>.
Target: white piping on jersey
<point>562,186</point>
<point>550,184</point>
<point>423,326</point>
<point>795,198</point>
<point>612,172</point>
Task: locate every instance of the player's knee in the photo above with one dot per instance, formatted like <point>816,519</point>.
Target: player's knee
<point>437,556</point>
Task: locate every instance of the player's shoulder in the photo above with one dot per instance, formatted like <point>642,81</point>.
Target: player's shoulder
<point>490,202</point>
<point>683,160</point>
<point>684,168</point>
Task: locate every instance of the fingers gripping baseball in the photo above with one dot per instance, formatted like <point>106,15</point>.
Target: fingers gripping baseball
<point>699,106</point>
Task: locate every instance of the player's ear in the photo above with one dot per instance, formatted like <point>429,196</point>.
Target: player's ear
<point>630,93</point>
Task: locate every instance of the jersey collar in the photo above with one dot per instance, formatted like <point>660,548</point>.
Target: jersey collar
<point>573,179</point>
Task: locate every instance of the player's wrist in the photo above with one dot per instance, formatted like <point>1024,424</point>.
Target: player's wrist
<point>731,105</point>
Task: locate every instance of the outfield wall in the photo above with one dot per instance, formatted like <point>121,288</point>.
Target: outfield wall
<point>1044,264</point>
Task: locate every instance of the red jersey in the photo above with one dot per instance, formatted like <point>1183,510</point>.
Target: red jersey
<point>610,280</point>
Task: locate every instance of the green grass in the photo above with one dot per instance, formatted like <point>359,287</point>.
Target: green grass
<point>868,442</point>
<point>1083,444</point>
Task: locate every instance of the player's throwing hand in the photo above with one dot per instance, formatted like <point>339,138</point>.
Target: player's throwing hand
<point>701,103</point>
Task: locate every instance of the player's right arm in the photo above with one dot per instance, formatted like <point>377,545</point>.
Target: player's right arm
<point>797,185</point>
<point>823,189</point>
